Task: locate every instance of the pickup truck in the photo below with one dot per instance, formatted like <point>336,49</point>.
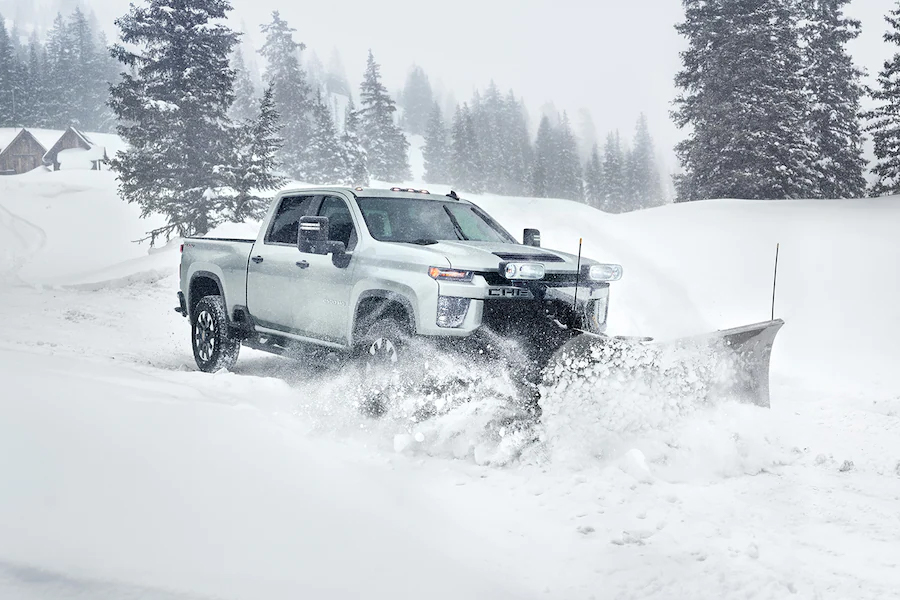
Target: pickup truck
<point>359,272</point>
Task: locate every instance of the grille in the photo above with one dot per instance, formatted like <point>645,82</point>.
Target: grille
<point>528,257</point>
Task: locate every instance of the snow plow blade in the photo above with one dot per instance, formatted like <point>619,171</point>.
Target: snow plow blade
<point>726,364</point>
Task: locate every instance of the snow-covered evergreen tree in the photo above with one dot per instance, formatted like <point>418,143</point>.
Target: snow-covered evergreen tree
<point>594,188</point>
<point>291,91</point>
<point>516,151</point>
<point>568,183</point>
<point>614,182</point>
<point>246,104</point>
<point>833,84</point>
<point>34,110</point>
<point>417,101</point>
<point>87,87</point>
<point>172,109</point>
<point>60,66</point>
<point>545,149</point>
<point>354,154</point>
<point>12,94</point>
<point>742,99</point>
<point>335,77</point>
<point>255,168</point>
<point>885,119</point>
<point>464,152</point>
<point>436,151</point>
<point>642,176</point>
<point>325,162</point>
<point>385,144</point>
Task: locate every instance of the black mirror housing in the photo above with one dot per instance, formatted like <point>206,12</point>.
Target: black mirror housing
<point>312,237</point>
<point>532,237</point>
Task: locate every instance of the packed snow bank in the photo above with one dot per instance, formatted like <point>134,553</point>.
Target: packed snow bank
<point>85,226</point>
<point>702,266</point>
<point>208,494</point>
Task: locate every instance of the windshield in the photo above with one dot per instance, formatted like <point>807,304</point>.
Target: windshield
<point>428,221</point>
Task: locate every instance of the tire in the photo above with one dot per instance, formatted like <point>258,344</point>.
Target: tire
<point>214,346</point>
<point>384,344</point>
<point>382,351</point>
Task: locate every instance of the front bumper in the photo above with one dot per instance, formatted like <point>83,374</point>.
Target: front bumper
<point>507,306</point>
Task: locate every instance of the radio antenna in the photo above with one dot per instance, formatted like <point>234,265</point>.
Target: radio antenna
<point>775,279</point>
<point>577,281</point>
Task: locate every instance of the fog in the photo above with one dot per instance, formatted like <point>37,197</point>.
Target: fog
<point>616,59</point>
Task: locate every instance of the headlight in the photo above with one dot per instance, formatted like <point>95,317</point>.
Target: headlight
<point>527,270</point>
<point>451,311</point>
<point>605,272</point>
<point>442,274</point>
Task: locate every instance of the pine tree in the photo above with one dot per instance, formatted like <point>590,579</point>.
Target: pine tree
<point>34,93</point>
<point>885,119</point>
<point>87,90</point>
<point>834,89</point>
<point>324,156</point>
<point>109,76</point>
<point>256,165</point>
<point>644,184</point>
<point>742,97</point>
<point>594,188</point>
<point>336,78</point>
<point>567,179</point>
<point>417,101</point>
<point>246,104</point>
<point>516,153</point>
<point>60,66</point>
<point>354,154</point>
<point>11,94</point>
<point>291,92</point>
<point>436,151</point>
<point>544,159</point>
<point>464,152</point>
<point>172,110</point>
<point>386,146</point>
<point>614,182</point>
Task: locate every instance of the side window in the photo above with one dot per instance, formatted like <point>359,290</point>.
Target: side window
<point>286,223</point>
<point>340,221</point>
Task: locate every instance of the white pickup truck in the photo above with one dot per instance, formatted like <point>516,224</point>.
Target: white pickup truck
<point>358,271</point>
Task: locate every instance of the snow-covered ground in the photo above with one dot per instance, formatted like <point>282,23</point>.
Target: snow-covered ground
<point>124,473</point>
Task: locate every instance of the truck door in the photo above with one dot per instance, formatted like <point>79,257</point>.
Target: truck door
<point>324,312</point>
<point>275,281</point>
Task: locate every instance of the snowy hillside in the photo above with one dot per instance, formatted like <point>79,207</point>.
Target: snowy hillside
<point>129,474</point>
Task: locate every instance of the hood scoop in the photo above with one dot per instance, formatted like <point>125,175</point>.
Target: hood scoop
<point>542,257</point>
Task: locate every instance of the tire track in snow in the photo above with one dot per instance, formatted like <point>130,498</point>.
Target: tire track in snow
<point>20,239</point>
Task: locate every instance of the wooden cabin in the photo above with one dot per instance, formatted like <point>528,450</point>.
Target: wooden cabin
<point>75,148</point>
<point>23,154</point>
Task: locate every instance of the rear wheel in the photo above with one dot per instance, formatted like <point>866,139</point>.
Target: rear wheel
<point>214,346</point>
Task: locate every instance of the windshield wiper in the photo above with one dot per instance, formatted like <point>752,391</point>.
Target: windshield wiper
<point>422,242</point>
<point>456,226</point>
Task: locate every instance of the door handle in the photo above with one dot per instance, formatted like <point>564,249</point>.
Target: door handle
<point>257,259</point>
<point>303,264</point>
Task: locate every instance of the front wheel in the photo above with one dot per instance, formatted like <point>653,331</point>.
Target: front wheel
<point>214,346</point>
<point>383,350</point>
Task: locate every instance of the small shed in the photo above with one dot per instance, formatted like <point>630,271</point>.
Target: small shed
<point>21,155</point>
<point>75,150</point>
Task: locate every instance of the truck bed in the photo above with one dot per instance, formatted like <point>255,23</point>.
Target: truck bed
<point>224,259</point>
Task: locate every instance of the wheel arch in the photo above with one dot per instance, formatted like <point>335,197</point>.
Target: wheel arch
<point>204,283</point>
<point>374,304</point>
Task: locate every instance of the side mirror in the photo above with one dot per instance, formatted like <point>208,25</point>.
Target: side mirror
<point>312,237</point>
<point>532,237</point>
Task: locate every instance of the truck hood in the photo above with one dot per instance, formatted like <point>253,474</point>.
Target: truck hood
<point>487,256</point>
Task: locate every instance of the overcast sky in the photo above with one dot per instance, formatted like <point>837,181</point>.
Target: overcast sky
<point>616,58</point>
